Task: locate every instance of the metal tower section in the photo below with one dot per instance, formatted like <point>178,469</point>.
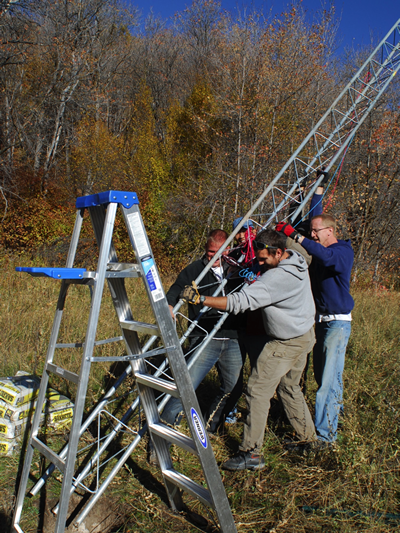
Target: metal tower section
<point>330,137</point>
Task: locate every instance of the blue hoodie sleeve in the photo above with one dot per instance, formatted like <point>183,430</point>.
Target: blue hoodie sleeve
<point>315,205</point>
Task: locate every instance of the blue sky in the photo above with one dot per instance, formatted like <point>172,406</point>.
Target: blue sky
<point>359,18</point>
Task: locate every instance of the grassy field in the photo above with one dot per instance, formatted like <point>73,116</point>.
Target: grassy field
<point>353,488</point>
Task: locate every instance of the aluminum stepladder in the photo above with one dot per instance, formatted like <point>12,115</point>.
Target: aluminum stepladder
<point>102,209</point>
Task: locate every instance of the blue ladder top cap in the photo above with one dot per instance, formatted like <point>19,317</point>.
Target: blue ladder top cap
<point>127,199</point>
<point>55,273</point>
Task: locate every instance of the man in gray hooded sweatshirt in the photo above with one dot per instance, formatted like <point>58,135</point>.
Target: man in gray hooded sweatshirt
<point>283,292</point>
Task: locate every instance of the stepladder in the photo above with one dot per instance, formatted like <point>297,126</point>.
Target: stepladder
<point>150,376</point>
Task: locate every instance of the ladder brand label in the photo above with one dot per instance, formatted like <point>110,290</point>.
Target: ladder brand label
<point>153,280</point>
<point>199,427</point>
<point>139,235</point>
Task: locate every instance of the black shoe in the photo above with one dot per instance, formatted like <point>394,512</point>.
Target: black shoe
<point>296,447</point>
<point>304,448</point>
<point>321,445</point>
<point>244,460</point>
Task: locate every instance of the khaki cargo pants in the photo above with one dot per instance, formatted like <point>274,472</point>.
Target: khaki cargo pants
<point>279,367</point>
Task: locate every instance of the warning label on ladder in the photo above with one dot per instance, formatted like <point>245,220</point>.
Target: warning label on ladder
<point>138,234</point>
<point>152,278</point>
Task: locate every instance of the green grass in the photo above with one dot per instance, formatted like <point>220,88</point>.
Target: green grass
<point>353,488</point>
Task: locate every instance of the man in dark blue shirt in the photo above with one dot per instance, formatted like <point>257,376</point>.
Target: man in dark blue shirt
<point>330,270</point>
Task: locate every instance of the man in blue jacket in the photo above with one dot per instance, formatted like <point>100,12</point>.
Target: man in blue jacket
<point>330,270</point>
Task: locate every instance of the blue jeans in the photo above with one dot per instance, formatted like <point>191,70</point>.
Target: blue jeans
<point>328,359</point>
<point>228,355</point>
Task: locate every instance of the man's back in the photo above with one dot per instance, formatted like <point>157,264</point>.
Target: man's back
<point>284,294</point>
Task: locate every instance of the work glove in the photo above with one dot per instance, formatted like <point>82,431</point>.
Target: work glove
<point>190,294</point>
<point>287,229</point>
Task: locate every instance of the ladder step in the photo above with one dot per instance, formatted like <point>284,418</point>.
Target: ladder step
<point>49,454</point>
<point>189,486</point>
<point>140,327</point>
<point>174,437</point>
<point>159,384</point>
<point>66,374</point>
<point>123,270</point>
<point>123,267</point>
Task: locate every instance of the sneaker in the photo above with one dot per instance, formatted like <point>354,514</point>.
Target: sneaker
<point>243,461</point>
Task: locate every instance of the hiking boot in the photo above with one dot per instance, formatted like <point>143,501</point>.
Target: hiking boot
<point>243,461</point>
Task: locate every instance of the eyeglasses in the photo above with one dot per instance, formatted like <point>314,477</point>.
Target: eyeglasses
<point>320,229</point>
<point>261,246</point>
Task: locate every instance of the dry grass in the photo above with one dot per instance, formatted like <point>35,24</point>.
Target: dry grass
<point>353,488</point>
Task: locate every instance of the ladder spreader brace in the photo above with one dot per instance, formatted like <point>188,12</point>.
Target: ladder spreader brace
<point>102,209</point>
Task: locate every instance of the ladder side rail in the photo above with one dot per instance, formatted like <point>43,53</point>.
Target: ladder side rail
<point>144,255</point>
<point>85,368</point>
<point>40,402</point>
<point>45,377</point>
<point>75,238</point>
<point>117,290</point>
<point>180,373</point>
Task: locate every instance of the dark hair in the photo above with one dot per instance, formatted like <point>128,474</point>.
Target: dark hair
<point>217,235</point>
<point>272,238</point>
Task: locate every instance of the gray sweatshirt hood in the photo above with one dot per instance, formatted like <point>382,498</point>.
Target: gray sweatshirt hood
<point>295,264</point>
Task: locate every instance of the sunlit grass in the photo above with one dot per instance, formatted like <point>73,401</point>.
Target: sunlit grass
<point>354,488</point>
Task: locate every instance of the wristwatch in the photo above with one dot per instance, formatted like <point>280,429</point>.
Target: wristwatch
<point>202,299</point>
